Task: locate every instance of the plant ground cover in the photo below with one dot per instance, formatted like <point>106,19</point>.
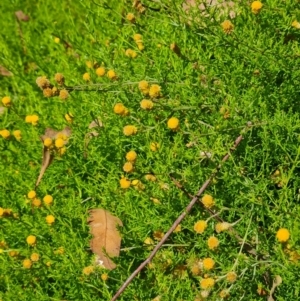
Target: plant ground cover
<point>211,72</point>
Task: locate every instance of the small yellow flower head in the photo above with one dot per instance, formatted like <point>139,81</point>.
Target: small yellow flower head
<point>34,119</point>
<point>154,146</point>
<point>43,82</point>
<point>59,78</point>
<point>213,242</point>
<point>131,53</point>
<point>56,40</point>
<point>63,94</point>
<point>104,277</point>
<point>207,283</point>
<point>208,201</point>
<point>62,136</point>
<point>208,263</point>
<point>100,71</point>
<point>227,26</point>
<point>200,226</point>
<point>1,214</point>
<point>17,134</point>
<point>158,235</point>
<point>28,119</point>
<point>138,38</point>
<point>177,229</point>
<point>130,17</point>
<point>155,201</point>
<point>6,101</point>
<point>35,257</point>
<point>36,202</point>
<point>86,77</point>
<point>50,219</point>
<point>62,151</point>
<point>119,109</point>
<point>5,134</point>
<point>256,6</point>
<point>220,227</point>
<point>59,251</point>
<point>150,177</point>
<point>111,74</point>
<point>131,156</point>
<point>31,194</point>
<point>224,294</point>
<point>89,64</point>
<point>231,277</point>
<point>140,46</point>
<point>283,235</point>
<point>173,123</point>
<point>47,92</point>
<point>154,91</point>
<point>27,263</point>
<point>128,167</point>
<point>146,104</point>
<point>148,241</point>
<point>13,253</point>
<point>296,24</point>
<point>144,87</point>
<point>31,240</point>
<point>129,130</point>
<point>124,183</point>
<point>88,270</point>
<point>59,143</point>
<point>47,142</point>
<point>48,199</point>
<point>69,117</point>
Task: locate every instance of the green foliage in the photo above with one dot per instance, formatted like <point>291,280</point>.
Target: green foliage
<point>215,83</point>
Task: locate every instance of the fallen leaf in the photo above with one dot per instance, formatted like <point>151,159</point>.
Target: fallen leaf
<point>5,72</point>
<point>106,241</point>
<point>95,123</point>
<point>21,16</point>
<point>276,282</point>
<point>223,7</point>
<point>47,160</point>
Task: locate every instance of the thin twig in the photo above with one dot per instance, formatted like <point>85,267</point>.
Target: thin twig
<point>178,220</point>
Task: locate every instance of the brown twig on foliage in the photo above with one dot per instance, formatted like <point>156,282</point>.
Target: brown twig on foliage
<point>178,220</point>
<point>248,247</point>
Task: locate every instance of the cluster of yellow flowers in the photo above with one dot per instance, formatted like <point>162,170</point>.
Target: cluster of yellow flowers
<point>58,144</point>
<point>138,39</point>
<point>256,7</point>
<point>131,53</point>
<point>36,202</point>
<point>50,90</point>
<point>6,134</point>
<point>129,130</point>
<point>33,119</point>
<point>120,109</point>
<point>100,71</point>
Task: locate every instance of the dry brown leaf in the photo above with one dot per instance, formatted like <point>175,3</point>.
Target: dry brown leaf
<point>224,7</point>
<point>106,241</point>
<point>95,123</point>
<point>48,156</point>
<point>276,282</point>
<point>5,72</point>
<point>21,16</point>
<point>47,160</point>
